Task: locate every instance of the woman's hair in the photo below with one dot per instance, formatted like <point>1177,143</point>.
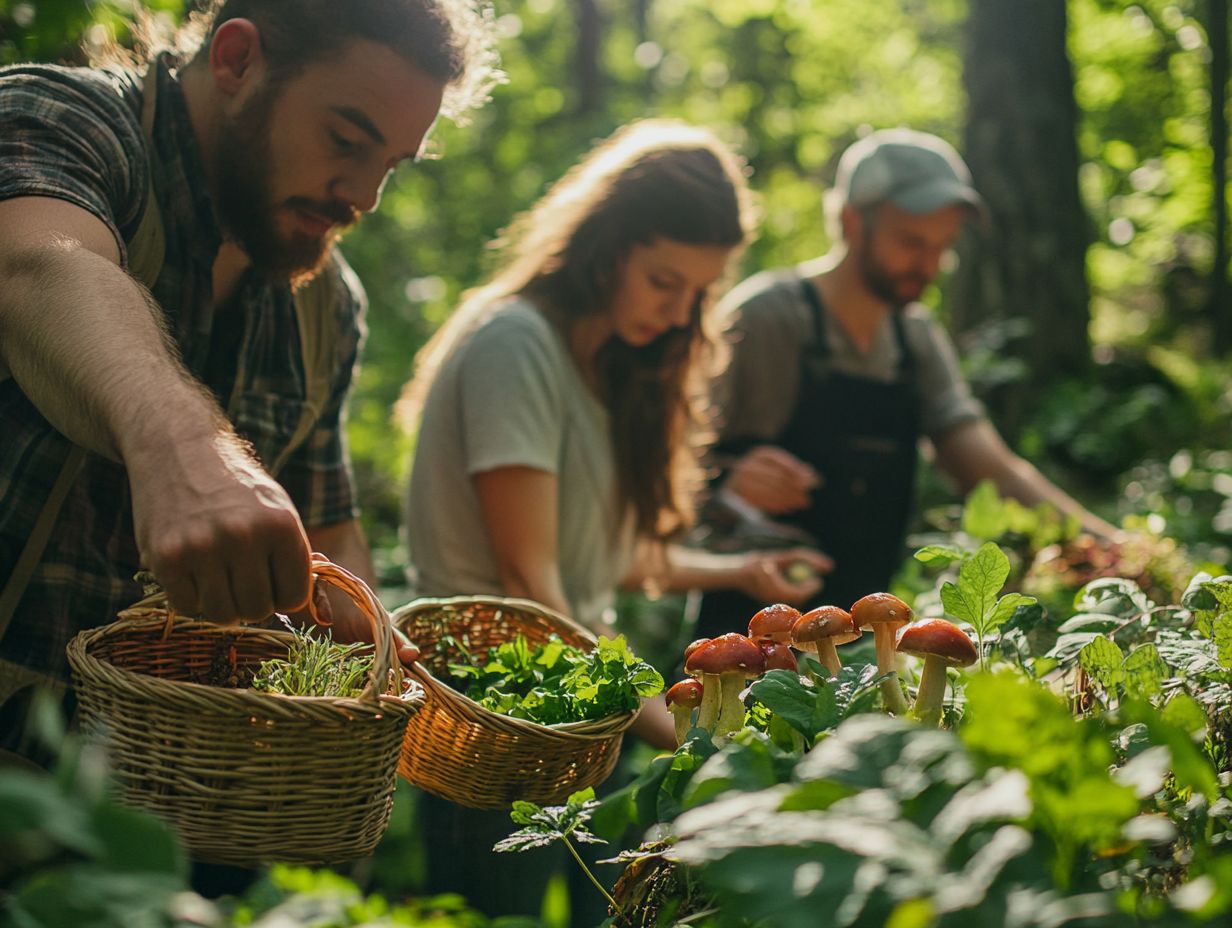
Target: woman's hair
<point>653,179</point>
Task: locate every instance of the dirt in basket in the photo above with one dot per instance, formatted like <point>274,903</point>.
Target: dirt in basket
<point>225,668</point>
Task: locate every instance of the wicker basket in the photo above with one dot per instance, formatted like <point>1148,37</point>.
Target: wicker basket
<point>461,751</point>
<point>245,777</point>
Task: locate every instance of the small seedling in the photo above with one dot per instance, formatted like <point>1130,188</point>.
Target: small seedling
<point>541,825</point>
<point>316,666</point>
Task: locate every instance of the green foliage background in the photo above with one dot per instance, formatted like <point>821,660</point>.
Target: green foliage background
<point>790,83</point>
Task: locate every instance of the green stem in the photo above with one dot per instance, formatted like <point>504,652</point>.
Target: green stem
<point>599,886</point>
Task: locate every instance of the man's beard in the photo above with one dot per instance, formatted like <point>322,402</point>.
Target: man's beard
<point>896,289</point>
<point>245,203</point>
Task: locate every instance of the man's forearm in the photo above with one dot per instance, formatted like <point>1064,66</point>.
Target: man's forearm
<point>1022,481</point>
<point>86,345</point>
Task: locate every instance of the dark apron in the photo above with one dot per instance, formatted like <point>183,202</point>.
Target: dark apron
<point>861,436</point>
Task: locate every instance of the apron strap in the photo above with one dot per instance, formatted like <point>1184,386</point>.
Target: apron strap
<point>906,357</point>
<point>820,347</point>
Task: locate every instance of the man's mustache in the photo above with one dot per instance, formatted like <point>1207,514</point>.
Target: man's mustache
<point>339,213</point>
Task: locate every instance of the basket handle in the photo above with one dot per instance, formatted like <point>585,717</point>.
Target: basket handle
<point>386,660</point>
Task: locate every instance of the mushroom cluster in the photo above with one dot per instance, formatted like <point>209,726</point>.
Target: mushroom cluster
<point>719,668</point>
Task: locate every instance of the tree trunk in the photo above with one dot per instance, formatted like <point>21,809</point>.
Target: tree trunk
<point>587,60</point>
<point>1219,310</point>
<point>1028,263</point>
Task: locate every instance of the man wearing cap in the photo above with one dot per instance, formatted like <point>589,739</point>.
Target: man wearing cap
<point>837,372</point>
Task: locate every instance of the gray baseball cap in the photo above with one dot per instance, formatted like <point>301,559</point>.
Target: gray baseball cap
<point>913,170</point>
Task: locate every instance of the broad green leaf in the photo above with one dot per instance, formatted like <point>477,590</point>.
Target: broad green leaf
<point>1222,633</point>
<point>984,514</point>
<point>136,841</point>
<point>1068,647</point>
<point>789,698</point>
<point>1112,596</point>
<point>1005,608</point>
<point>1190,764</point>
<point>747,765</point>
<point>1089,622</point>
<point>1145,671</point>
<point>1183,711</point>
<point>83,895</point>
<point>36,814</point>
<point>1103,660</point>
<point>980,579</point>
<point>939,555</point>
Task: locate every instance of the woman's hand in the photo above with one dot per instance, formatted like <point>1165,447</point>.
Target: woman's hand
<point>790,576</point>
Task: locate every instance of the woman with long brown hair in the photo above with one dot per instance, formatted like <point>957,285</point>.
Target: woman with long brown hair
<point>560,407</point>
<point>559,412</point>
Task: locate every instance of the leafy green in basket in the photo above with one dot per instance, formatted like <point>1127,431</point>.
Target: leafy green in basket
<point>554,682</point>
<point>316,666</point>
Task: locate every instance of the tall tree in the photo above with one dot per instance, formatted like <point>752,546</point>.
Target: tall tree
<point>1219,310</point>
<point>1029,262</point>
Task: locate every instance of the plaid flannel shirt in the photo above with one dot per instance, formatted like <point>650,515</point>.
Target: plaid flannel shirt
<point>75,134</point>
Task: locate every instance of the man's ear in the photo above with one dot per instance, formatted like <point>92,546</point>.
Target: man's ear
<point>852,221</point>
<point>236,60</point>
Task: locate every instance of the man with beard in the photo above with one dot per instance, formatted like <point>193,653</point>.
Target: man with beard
<point>838,371</point>
<point>168,399</point>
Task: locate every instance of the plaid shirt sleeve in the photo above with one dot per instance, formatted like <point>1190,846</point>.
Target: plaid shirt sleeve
<point>318,475</point>
<point>68,134</point>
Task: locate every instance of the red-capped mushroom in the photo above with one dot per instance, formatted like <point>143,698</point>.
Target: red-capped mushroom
<point>732,658</point>
<point>693,646</point>
<point>774,622</point>
<point>820,630</point>
<point>884,613</point>
<point>778,655</point>
<point>682,699</point>
<point>941,644</point>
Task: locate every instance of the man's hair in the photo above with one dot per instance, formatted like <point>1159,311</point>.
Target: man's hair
<point>449,40</point>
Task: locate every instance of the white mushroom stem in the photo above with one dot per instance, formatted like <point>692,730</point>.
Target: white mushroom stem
<point>708,713</point>
<point>891,690</point>
<point>731,715</point>
<point>931,694</point>
<point>827,655</point>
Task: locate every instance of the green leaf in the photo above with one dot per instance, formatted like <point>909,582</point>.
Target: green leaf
<point>1004,610</point>
<point>1222,633</point>
<point>1112,596</point>
<point>1103,660</point>
<point>35,814</point>
<point>750,764</point>
<point>788,697</point>
<point>980,579</point>
<point>1089,622</point>
<point>984,514</point>
<point>1145,671</point>
<point>939,555</point>
<point>1183,711</point>
<point>136,841</point>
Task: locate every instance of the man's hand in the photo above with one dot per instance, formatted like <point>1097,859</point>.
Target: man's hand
<point>219,534</point>
<point>773,480</point>
<point>770,576</point>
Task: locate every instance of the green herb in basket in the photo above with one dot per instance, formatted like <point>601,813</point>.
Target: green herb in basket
<point>316,666</point>
<point>554,682</point>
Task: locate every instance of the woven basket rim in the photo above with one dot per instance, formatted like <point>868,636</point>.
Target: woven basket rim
<point>85,662</point>
<point>591,730</point>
